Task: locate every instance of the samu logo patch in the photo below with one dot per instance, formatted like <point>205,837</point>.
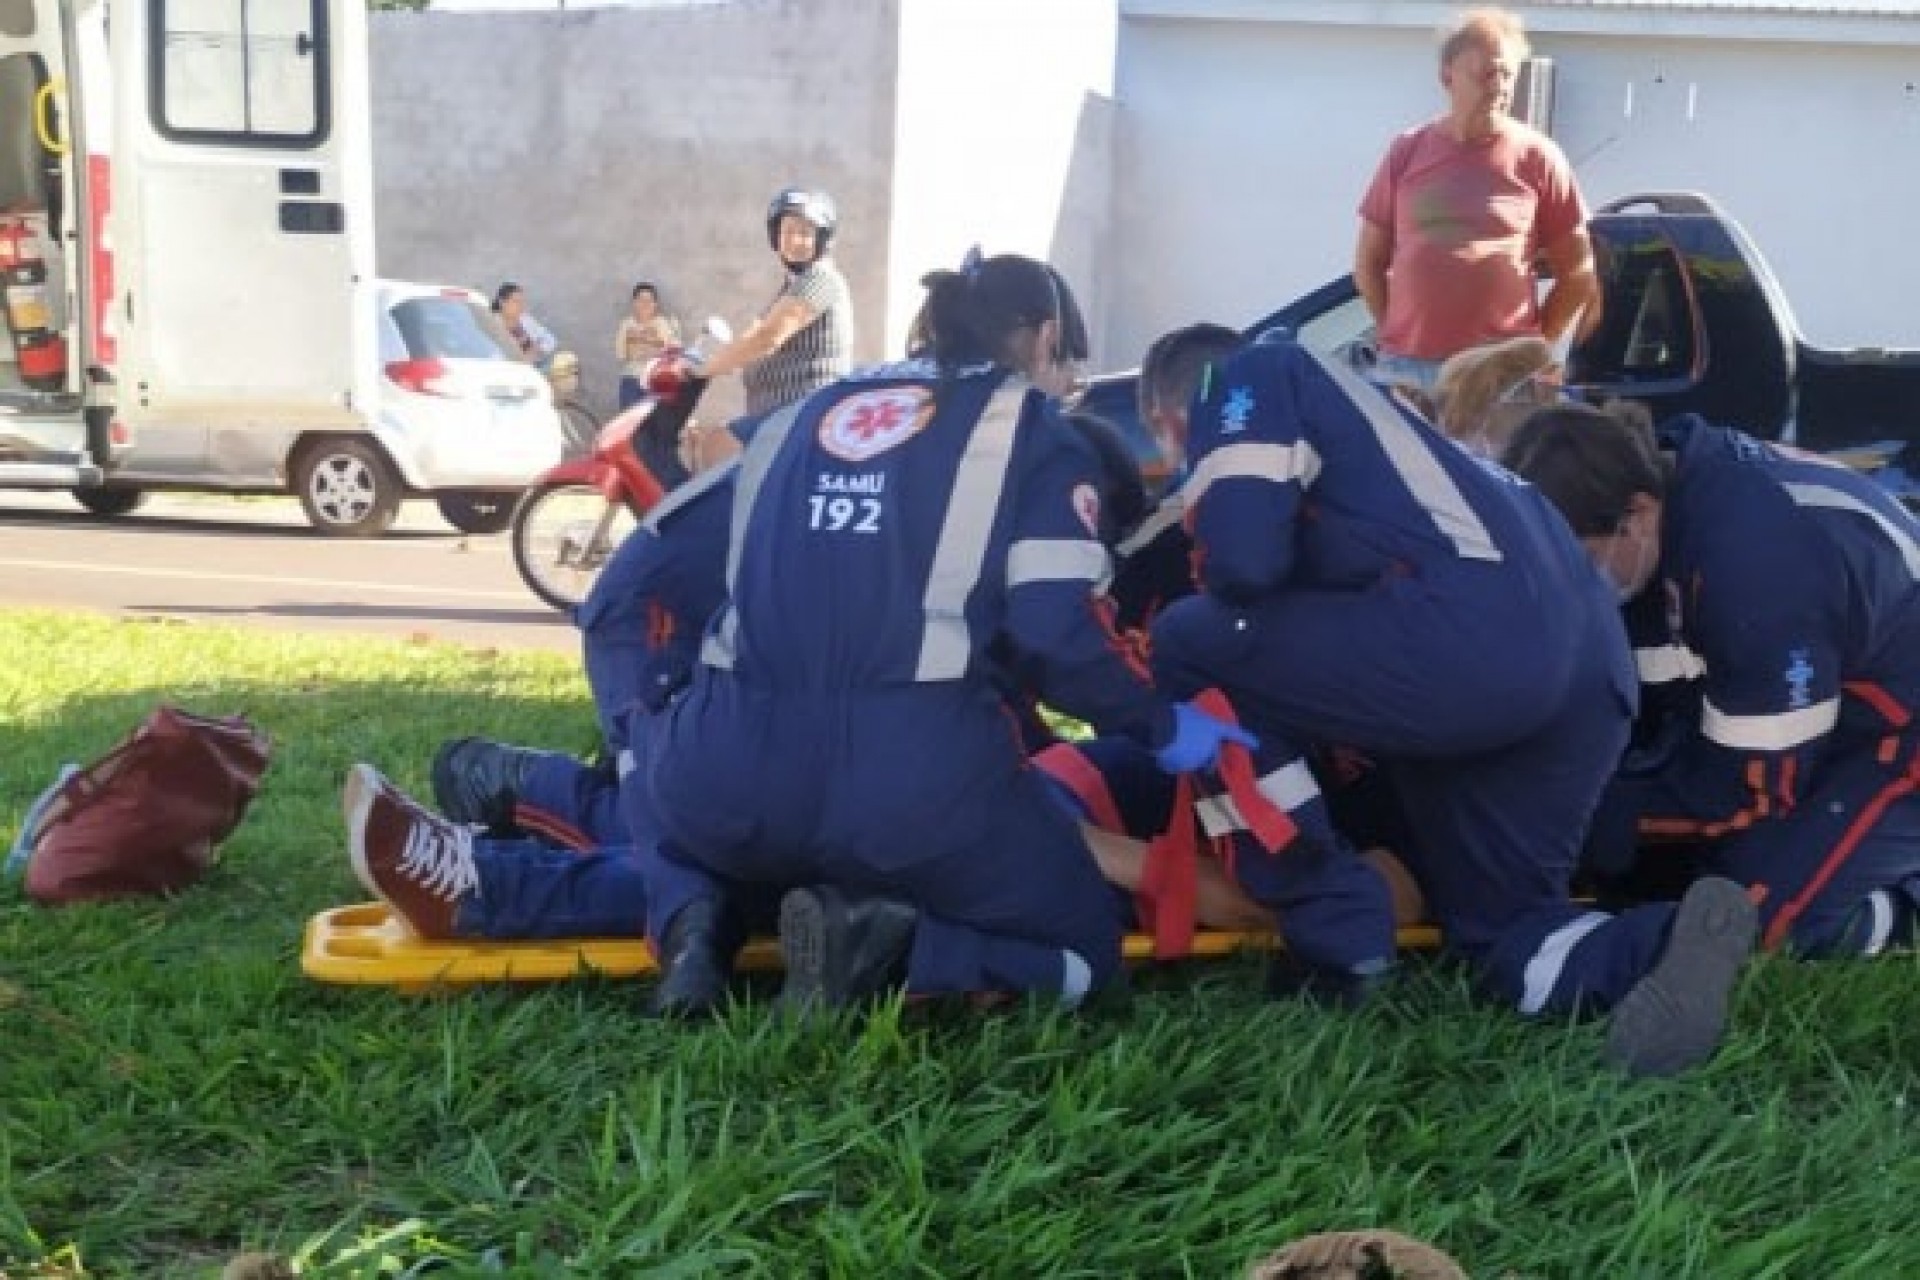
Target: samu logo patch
<point>868,424</point>
<point>1237,411</point>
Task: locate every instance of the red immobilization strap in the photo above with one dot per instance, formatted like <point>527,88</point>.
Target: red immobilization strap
<point>1170,882</point>
<point>1267,821</point>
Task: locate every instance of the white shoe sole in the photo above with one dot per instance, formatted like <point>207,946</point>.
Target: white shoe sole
<point>804,948</point>
<point>356,803</point>
<point>1673,1018</point>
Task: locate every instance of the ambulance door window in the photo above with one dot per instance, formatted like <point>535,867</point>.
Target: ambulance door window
<point>23,173</point>
<point>241,72</point>
<point>16,18</point>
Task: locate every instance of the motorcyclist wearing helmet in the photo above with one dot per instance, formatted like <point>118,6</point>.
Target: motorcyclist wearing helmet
<point>804,339</point>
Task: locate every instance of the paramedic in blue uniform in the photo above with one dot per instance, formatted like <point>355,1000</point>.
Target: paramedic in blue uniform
<point>641,624</point>
<point>845,737</point>
<point>1791,590</point>
<point>525,882</point>
<point>1113,782</point>
<point>640,629</point>
<point>1367,583</point>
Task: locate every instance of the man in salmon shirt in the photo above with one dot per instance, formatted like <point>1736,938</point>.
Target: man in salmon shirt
<point>1461,209</point>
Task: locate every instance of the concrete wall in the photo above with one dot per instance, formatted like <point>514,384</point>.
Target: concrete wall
<point>1245,143</point>
<point>579,151</point>
<point>1003,139</point>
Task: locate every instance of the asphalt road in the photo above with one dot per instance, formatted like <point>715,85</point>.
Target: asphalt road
<point>255,561</point>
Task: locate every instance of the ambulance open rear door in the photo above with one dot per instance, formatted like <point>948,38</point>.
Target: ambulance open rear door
<point>242,217</point>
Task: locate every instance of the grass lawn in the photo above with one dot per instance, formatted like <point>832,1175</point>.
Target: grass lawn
<point>173,1091</point>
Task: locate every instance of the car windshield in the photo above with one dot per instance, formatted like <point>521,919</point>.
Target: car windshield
<point>449,329</point>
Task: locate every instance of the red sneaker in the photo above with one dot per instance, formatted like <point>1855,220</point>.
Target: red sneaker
<point>419,864</point>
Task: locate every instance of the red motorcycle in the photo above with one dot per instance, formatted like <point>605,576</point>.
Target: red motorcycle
<point>569,522</point>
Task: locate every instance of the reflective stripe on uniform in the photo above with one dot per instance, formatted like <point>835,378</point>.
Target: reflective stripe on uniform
<point>1289,788</point>
<point>1668,663</point>
<point>1253,460</point>
<point>1419,470</point>
<point>718,649</point>
<point>1777,732</point>
<point>1820,495</point>
<point>946,646</point>
<point>1171,511</point>
<point>1550,961</point>
<point>1056,560</point>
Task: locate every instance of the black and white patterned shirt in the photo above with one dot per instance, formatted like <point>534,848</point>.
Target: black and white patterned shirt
<point>820,353</point>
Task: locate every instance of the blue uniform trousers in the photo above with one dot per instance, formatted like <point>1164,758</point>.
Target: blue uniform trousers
<point>919,793</point>
<point>571,803</point>
<point>529,890</point>
<point>1497,746</point>
<point>1856,830</point>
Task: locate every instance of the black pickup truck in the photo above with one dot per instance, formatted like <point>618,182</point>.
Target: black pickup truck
<point>1692,320</point>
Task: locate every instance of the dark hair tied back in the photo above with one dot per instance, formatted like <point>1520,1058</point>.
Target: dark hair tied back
<point>971,316</point>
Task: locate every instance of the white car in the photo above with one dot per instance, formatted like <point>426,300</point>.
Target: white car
<point>458,417</point>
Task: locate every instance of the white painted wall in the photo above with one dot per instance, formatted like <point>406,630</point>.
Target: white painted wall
<point>1002,138</point>
<point>1815,148</point>
<point>1243,150</point>
<point>1245,143</point>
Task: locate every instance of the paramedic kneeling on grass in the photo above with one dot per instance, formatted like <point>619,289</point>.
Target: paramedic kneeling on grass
<point>1368,583</point>
<point>535,849</point>
<point>1790,589</point>
<point>845,732</point>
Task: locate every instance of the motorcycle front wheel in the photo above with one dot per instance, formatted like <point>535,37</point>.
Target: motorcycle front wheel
<point>563,535</point>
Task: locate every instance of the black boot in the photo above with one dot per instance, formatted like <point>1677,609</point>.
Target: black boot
<point>479,782</point>
<point>1673,1017</point>
<point>840,948</point>
<point>1292,979</point>
<point>696,963</point>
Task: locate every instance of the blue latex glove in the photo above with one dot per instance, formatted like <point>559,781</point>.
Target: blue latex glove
<point>1197,739</point>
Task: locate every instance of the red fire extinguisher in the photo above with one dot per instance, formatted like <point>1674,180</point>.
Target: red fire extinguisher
<point>42,352</point>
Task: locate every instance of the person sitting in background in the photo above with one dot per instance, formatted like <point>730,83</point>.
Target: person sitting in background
<point>533,340</point>
<point>644,333</point>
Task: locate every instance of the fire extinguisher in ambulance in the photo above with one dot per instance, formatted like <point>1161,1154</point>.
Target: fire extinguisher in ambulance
<point>40,349</point>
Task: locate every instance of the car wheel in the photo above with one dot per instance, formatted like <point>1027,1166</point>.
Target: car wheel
<point>478,511</point>
<point>347,488</point>
<point>107,503</point>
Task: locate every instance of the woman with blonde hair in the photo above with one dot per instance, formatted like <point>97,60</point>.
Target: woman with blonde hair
<point>1484,393</point>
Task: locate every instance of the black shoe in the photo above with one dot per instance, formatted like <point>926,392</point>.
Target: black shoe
<point>1674,1016</point>
<point>1292,979</point>
<point>696,963</point>
<point>479,782</point>
<point>839,948</point>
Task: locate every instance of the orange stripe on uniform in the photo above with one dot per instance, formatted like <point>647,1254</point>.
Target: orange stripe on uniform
<point>1867,819</point>
<point>542,823</point>
<point>1761,807</point>
<point>1888,707</point>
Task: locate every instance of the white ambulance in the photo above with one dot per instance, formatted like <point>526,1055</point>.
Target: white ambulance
<point>186,249</point>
